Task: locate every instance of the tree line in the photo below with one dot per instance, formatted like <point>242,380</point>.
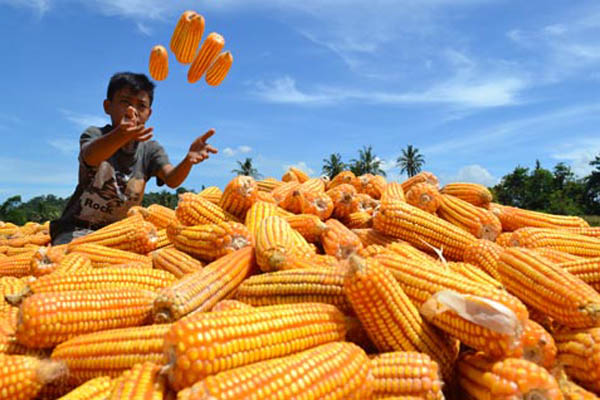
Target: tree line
<point>556,191</point>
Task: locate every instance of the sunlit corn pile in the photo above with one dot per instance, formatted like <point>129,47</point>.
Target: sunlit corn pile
<point>307,288</point>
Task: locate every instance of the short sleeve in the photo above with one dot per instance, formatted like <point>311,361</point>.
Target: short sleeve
<point>158,158</point>
<point>89,135</point>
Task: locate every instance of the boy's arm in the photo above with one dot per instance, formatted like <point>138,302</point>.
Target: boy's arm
<point>199,151</point>
<point>102,148</point>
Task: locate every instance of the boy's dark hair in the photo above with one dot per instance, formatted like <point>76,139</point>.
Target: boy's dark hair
<point>137,82</point>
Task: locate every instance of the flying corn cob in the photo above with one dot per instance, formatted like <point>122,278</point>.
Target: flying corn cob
<point>424,196</point>
<point>131,234</point>
<point>47,319</point>
<point>422,229</point>
<point>485,255</point>
<point>175,261</point>
<point>406,373</point>
<point>95,389</point>
<point>193,209</point>
<point>111,352</point>
<point>424,176</point>
<point>102,256</point>
<point>334,371</point>
<point>588,270</point>
<point>295,286</point>
<point>390,318</point>
<point>141,382</point>
<point>480,222</point>
<point>187,35</point>
<point>459,306</point>
<point>339,241</point>
<point>212,194</point>
<point>208,242</point>
<point>201,290</point>
<point>549,288</point>
<point>513,218</point>
<point>262,332</point>
<point>23,376</point>
<point>158,65</point>
<point>157,215</point>
<point>555,239</point>
<point>212,46</point>
<point>579,353</point>
<point>511,378</point>
<point>473,193</point>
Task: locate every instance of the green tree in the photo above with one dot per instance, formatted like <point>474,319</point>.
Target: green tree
<point>592,188</point>
<point>367,163</point>
<point>512,189</point>
<point>333,165</point>
<point>410,161</point>
<point>562,174</point>
<point>246,168</point>
<point>540,187</point>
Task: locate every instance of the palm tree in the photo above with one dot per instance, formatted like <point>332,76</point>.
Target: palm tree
<point>367,163</point>
<point>246,168</point>
<point>333,165</point>
<point>410,161</point>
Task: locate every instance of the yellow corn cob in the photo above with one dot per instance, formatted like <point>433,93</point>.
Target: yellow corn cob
<point>295,174</point>
<point>371,250</point>
<point>201,290</point>
<point>46,259</point>
<point>8,341</point>
<point>210,241</point>
<point>547,322</point>
<point>424,176</point>
<point>295,286</point>
<point>473,273</point>
<point>28,249</point>
<point>262,332</point>
<point>538,346</point>
<point>555,239</point>
<point>424,196</point>
<point>480,222</point>
<point>95,389</point>
<point>266,197</point>
<point>372,185</point>
<point>569,389</point>
<point>422,229</point>
<point>588,270</point>
<point>72,263</point>
<point>334,371</point>
<point>256,213</point>
<point>141,382</point>
<point>359,220</point>
<point>405,250</point>
<point>313,185</point>
<point>193,209</point>
<point>217,72</point>
<point>212,46</point>
<point>239,195</point>
<point>362,202</point>
<point>549,288</point>
<point>423,281</point>
<point>300,247</point>
<point>9,285</point>
<point>579,353</point>
<point>341,178</point>
<point>503,239</point>
<point>18,265</point>
<point>557,256</point>
<point>473,193</point>
<point>342,196</point>
<point>282,191</point>
<point>370,236</point>
<point>47,319</point>
<point>593,231</point>
<point>318,204</point>
<point>187,35</point>
<point>131,234</point>
<point>513,218</point>
<point>212,194</point>
<point>102,256</point>
<point>157,215</point>
<point>162,240</point>
<point>392,192</point>
<point>339,241</point>
<point>111,352</point>
<point>158,65</point>
<point>24,376</point>
<point>509,379</point>
<point>229,304</point>
<point>274,242</point>
<point>268,184</point>
<point>391,320</point>
<point>406,373</point>
<point>308,225</point>
<point>175,261</point>
<point>485,255</point>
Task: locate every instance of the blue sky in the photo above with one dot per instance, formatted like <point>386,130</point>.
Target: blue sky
<point>479,86</point>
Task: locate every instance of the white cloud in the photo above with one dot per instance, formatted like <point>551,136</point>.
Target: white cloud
<point>229,152</point>
<point>556,29</point>
<point>283,90</point>
<point>65,146</point>
<point>471,173</point>
<point>84,120</point>
<point>301,165</point>
<point>144,29</point>
<point>578,154</point>
<point>40,7</point>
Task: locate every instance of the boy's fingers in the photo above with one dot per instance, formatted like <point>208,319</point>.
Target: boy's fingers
<point>207,135</point>
<point>211,149</point>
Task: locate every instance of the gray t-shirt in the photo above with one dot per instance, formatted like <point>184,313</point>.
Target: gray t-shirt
<point>105,193</point>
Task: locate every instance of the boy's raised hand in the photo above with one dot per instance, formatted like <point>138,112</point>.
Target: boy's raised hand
<point>200,150</point>
<point>129,126</point>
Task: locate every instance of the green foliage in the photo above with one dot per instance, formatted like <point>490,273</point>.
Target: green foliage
<point>367,163</point>
<point>246,168</point>
<point>410,161</point>
<point>333,165</point>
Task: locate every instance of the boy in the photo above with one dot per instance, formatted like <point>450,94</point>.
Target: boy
<point>116,161</point>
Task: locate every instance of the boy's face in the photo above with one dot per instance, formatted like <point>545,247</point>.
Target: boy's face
<point>125,98</point>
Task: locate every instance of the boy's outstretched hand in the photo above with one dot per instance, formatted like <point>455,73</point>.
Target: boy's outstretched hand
<point>130,127</point>
<point>200,150</point>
